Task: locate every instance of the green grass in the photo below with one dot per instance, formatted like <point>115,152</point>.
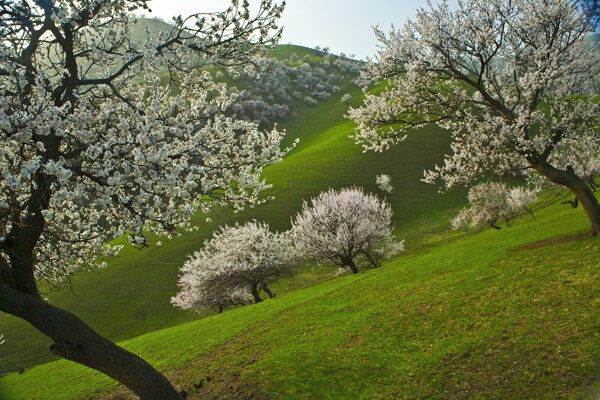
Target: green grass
<point>499,314</point>
<point>131,296</point>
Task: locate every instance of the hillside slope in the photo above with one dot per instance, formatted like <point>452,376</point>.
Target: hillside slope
<point>500,314</point>
<point>131,296</point>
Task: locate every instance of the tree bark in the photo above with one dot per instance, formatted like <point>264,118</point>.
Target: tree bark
<point>582,191</point>
<point>254,291</point>
<point>267,291</point>
<point>371,260</point>
<point>350,263</point>
<point>76,341</point>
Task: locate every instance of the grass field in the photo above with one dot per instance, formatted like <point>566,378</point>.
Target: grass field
<point>131,296</point>
<point>499,314</point>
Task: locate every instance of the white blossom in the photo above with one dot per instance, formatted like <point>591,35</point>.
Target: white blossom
<point>512,80</point>
<point>492,201</point>
<point>233,267</point>
<point>103,146</point>
<point>338,225</point>
<point>384,182</point>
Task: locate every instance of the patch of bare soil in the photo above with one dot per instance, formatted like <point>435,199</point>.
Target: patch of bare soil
<point>538,244</point>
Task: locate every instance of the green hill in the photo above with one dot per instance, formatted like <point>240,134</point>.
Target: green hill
<point>593,38</point>
<point>501,314</point>
<point>131,296</point>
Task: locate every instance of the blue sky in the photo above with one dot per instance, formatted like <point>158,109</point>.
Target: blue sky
<point>342,25</point>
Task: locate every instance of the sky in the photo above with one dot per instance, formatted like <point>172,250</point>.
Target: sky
<point>342,25</point>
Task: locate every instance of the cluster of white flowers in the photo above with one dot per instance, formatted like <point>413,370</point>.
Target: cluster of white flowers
<point>338,225</point>
<point>491,201</point>
<point>234,266</point>
<point>384,182</point>
<point>239,261</point>
<point>268,98</point>
<point>508,78</point>
<point>111,137</point>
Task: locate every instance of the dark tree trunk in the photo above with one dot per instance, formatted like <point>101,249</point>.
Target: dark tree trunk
<point>582,191</point>
<point>267,291</point>
<point>76,341</point>
<point>350,263</point>
<point>374,263</point>
<point>254,291</point>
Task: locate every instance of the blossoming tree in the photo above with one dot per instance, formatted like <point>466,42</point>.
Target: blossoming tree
<point>513,81</point>
<point>384,183</point>
<point>339,225</point>
<point>234,266</point>
<point>492,201</point>
<point>101,136</point>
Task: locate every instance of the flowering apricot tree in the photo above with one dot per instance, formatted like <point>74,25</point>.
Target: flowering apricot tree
<point>513,81</point>
<point>339,225</point>
<point>234,266</point>
<point>384,183</point>
<point>102,136</point>
<point>493,201</point>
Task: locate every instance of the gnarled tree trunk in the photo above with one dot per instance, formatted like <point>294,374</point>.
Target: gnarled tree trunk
<point>350,263</point>
<point>76,341</point>
<point>582,191</point>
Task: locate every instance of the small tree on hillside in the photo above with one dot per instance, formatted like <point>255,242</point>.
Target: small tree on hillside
<point>512,80</point>
<point>102,136</point>
<point>234,266</point>
<point>384,182</point>
<point>493,201</point>
<point>338,225</point>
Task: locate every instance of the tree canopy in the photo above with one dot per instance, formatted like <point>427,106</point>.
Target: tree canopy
<point>339,225</point>
<point>103,136</point>
<point>513,81</point>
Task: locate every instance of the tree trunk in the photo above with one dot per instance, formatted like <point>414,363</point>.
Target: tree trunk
<point>76,341</point>
<point>352,266</point>
<point>371,260</point>
<point>267,291</point>
<point>582,191</point>
<point>254,291</point>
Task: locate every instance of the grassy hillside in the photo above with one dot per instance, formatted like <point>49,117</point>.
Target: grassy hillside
<point>500,314</point>
<point>131,296</point>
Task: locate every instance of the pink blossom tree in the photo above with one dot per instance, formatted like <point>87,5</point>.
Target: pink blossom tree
<point>339,225</point>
